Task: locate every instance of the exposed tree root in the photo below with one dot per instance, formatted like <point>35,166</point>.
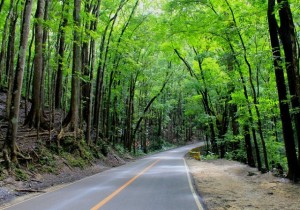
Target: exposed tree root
<point>30,190</point>
<point>6,159</point>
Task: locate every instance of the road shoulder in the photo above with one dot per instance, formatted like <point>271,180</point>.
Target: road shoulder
<point>225,184</point>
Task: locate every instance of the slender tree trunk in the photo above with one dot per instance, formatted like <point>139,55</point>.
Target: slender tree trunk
<point>114,72</point>
<point>29,70</point>
<point>287,128</point>
<point>10,56</point>
<point>149,105</point>
<point>11,136</point>
<point>247,128</point>
<point>46,55</point>
<point>129,118</point>
<point>250,159</point>
<point>72,119</point>
<point>99,85</point>
<point>289,42</point>
<point>61,55</point>
<point>205,99</point>
<point>10,16</point>
<point>86,83</point>
<point>103,54</point>
<point>1,5</point>
<point>255,100</point>
<point>35,117</point>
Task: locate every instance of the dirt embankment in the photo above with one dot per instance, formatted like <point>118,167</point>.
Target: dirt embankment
<point>225,184</point>
<point>12,191</point>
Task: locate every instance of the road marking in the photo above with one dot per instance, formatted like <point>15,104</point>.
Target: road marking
<point>111,196</point>
<point>195,195</point>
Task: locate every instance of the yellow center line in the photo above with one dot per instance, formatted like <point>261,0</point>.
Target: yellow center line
<point>116,192</point>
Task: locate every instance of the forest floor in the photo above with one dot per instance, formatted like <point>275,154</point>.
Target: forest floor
<point>230,185</point>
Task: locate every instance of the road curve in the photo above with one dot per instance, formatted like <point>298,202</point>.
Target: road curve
<point>158,182</point>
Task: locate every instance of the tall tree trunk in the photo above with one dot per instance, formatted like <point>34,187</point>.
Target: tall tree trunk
<point>129,115</point>
<point>289,42</point>
<point>11,136</point>
<point>255,100</point>
<point>86,83</point>
<point>247,128</point>
<point>29,70</point>
<point>88,62</point>
<point>9,19</point>
<point>103,54</point>
<point>114,72</point>
<point>61,55</point>
<point>1,5</point>
<point>99,84</point>
<point>287,128</point>
<point>46,55</point>
<point>10,56</point>
<point>248,145</point>
<point>94,26</point>
<point>35,116</point>
<point>206,103</point>
<point>72,119</point>
<point>205,99</point>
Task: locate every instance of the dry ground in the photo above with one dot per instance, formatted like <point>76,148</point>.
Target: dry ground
<point>230,185</point>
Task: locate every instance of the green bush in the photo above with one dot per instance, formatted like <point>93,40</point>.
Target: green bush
<point>21,175</point>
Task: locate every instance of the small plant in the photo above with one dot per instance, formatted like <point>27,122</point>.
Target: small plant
<point>2,175</point>
<point>120,149</point>
<point>73,161</point>
<point>209,156</point>
<point>21,175</point>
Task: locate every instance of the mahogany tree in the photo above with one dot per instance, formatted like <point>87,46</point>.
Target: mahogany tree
<point>17,88</point>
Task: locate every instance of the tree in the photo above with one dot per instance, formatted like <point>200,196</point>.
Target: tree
<point>36,114</point>
<point>72,119</point>
<point>294,170</point>
<point>11,53</point>
<point>290,46</point>
<point>61,54</point>
<point>11,136</point>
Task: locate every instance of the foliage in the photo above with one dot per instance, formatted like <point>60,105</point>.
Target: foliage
<point>155,74</point>
<point>21,175</point>
<point>209,156</point>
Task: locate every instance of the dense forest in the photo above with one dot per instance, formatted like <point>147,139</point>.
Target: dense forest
<point>140,74</point>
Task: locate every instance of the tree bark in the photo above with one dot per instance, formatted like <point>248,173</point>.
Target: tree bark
<point>1,5</point>
<point>29,69</point>
<point>72,119</point>
<point>35,116</point>
<point>287,128</point>
<point>10,56</point>
<point>289,42</point>
<point>255,100</point>
<point>10,16</point>
<point>103,54</point>
<point>61,55</point>
<point>86,83</point>
<point>11,136</point>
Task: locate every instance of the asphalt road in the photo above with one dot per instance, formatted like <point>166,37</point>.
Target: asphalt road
<point>158,182</point>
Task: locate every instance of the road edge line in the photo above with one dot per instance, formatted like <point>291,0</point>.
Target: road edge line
<point>197,198</point>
